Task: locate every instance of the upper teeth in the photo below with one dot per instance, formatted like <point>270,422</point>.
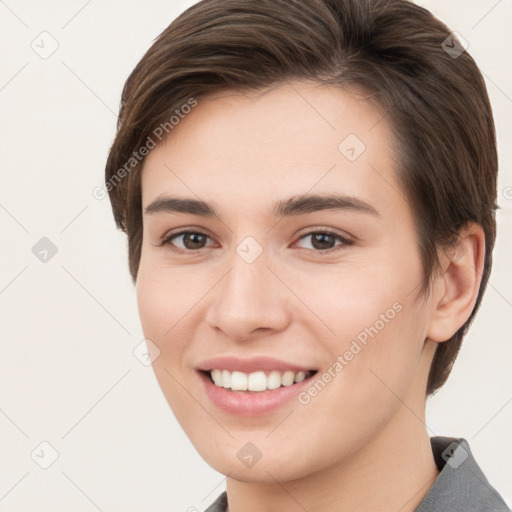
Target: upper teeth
<point>256,381</point>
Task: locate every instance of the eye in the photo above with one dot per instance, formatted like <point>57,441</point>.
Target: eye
<point>185,241</point>
<point>325,240</point>
<point>189,241</point>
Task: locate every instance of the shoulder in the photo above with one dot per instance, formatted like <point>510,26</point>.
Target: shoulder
<point>461,485</point>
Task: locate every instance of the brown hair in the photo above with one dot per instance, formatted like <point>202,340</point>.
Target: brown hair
<point>435,99</point>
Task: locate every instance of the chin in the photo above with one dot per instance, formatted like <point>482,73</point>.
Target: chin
<point>282,467</point>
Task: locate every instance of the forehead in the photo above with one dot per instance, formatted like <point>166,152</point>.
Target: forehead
<point>253,147</point>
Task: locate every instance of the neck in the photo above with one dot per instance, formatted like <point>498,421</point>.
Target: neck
<point>393,471</point>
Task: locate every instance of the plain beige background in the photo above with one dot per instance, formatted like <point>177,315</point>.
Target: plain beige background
<point>68,374</point>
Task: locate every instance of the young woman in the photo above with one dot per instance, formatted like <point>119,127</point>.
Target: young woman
<point>308,188</point>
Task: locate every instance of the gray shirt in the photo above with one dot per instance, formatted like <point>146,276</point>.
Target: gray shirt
<point>460,487</point>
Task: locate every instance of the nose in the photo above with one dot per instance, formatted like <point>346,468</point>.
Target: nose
<point>249,301</point>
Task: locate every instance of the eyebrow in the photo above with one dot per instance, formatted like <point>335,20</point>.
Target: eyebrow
<point>284,208</point>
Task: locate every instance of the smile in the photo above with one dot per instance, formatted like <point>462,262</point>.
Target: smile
<point>257,381</point>
<point>253,386</point>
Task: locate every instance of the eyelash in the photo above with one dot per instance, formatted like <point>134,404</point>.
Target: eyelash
<point>166,241</point>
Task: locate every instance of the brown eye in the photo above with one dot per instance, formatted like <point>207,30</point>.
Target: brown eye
<point>186,241</point>
<point>194,240</point>
<point>325,240</point>
<point>322,241</point>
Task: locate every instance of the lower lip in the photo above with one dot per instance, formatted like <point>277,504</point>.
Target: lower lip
<point>244,403</point>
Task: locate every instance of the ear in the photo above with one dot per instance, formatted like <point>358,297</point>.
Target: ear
<point>455,288</point>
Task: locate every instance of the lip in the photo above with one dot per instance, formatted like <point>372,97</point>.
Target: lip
<point>250,365</point>
<point>244,403</point>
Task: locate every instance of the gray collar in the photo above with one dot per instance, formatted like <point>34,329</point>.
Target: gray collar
<point>461,486</point>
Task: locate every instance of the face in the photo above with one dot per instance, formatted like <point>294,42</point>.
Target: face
<point>279,252</point>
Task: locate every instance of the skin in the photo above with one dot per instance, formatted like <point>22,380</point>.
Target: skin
<point>366,429</point>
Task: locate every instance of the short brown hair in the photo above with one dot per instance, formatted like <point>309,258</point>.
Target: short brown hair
<point>436,102</point>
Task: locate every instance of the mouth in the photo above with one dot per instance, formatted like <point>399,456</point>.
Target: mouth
<point>254,386</point>
<point>255,382</point>
<point>253,394</point>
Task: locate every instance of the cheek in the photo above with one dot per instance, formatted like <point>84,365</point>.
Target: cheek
<point>163,304</point>
<point>166,297</point>
<point>372,373</point>
<point>163,307</point>
<point>377,327</point>
<point>154,306</point>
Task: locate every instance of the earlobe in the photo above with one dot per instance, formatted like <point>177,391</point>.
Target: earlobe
<point>457,284</point>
